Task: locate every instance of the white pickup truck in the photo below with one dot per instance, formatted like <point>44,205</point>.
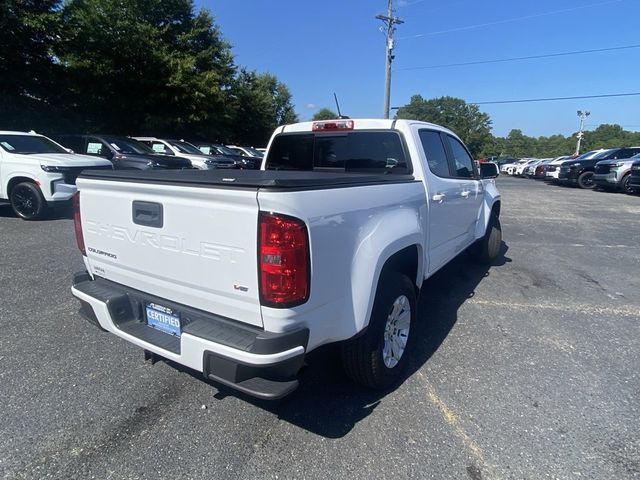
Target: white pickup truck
<point>239,274</point>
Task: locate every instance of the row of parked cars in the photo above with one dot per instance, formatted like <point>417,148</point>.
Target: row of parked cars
<point>38,173</point>
<point>613,169</point>
<point>164,153</point>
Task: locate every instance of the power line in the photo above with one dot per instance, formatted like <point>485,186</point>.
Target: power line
<point>513,59</point>
<point>508,20</point>
<point>553,99</point>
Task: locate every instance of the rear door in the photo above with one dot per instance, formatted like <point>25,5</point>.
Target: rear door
<point>443,197</point>
<point>191,245</point>
<point>470,195</point>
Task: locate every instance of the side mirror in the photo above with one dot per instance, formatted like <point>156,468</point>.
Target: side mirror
<point>488,170</point>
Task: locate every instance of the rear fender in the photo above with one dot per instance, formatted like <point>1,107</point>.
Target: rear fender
<point>385,236</point>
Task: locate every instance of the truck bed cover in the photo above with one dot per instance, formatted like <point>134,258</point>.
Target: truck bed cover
<point>269,179</point>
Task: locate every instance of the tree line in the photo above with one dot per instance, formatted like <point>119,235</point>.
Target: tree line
<point>474,127</point>
<point>132,67</point>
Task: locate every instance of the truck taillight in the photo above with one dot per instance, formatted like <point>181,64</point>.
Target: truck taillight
<point>77,222</point>
<point>283,260</point>
<point>332,126</point>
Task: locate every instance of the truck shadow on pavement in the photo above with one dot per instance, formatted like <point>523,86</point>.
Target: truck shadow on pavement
<point>329,404</point>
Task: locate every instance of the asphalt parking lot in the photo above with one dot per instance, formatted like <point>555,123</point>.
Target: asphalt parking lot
<point>527,370</point>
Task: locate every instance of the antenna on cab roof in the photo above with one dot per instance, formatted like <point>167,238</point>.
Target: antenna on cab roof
<point>340,116</point>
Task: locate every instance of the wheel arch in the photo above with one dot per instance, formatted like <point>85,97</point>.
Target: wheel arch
<point>495,208</point>
<point>406,256</point>
<point>492,204</point>
<point>13,181</point>
<point>406,262</point>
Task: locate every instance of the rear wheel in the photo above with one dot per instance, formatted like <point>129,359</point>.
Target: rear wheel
<point>585,180</point>
<point>27,201</point>
<point>378,357</point>
<point>624,185</point>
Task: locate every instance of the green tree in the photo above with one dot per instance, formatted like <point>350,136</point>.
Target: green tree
<point>606,136</point>
<point>325,114</point>
<point>28,71</point>
<point>466,120</point>
<point>260,104</point>
<point>145,66</point>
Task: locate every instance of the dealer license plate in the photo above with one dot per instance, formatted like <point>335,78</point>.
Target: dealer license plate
<point>163,319</point>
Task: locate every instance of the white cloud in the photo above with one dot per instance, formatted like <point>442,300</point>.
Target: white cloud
<point>311,106</point>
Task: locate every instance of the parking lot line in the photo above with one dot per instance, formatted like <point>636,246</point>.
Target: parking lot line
<point>452,420</point>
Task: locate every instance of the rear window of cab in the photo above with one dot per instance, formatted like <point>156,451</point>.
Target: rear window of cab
<point>355,151</point>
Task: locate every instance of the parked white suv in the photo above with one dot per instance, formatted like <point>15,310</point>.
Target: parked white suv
<point>520,169</point>
<point>37,173</point>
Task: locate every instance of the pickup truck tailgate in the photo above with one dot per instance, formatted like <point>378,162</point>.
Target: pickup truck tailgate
<point>196,246</point>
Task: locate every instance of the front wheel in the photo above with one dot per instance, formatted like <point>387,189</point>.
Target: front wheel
<point>624,185</point>
<point>378,357</point>
<point>27,201</point>
<point>487,248</point>
<point>585,180</point>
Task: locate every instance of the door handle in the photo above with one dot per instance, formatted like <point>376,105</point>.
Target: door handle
<point>465,193</point>
<point>438,197</point>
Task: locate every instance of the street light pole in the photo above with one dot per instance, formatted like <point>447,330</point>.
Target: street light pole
<point>583,116</point>
<point>389,21</point>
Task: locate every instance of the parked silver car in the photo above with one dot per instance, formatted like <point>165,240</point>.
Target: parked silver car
<point>614,174</point>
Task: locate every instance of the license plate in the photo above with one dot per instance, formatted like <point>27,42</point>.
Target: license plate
<point>163,319</point>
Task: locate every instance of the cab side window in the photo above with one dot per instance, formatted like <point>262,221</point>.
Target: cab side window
<point>462,161</point>
<point>435,152</point>
<point>626,153</point>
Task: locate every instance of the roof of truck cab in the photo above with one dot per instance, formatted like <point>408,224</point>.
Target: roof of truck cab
<point>360,124</point>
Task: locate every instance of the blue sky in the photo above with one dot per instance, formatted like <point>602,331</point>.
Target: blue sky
<point>320,47</point>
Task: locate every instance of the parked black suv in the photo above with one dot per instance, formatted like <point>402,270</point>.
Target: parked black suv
<point>123,152</point>
<point>217,149</point>
<point>634,179</point>
<point>581,172</point>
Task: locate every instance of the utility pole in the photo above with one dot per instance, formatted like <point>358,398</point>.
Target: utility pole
<point>389,27</point>
<point>583,116</point>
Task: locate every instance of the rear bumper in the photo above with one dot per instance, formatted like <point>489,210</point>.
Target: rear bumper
<point>258,363</point>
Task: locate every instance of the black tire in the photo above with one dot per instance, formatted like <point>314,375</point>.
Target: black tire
<point>27,201</point>
<point>487,248</point>
<point>585,180</point>
<point>624,184</point>
<point>362,357</point>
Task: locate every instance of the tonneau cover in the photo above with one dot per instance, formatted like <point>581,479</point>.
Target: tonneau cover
<point>269,179</point>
